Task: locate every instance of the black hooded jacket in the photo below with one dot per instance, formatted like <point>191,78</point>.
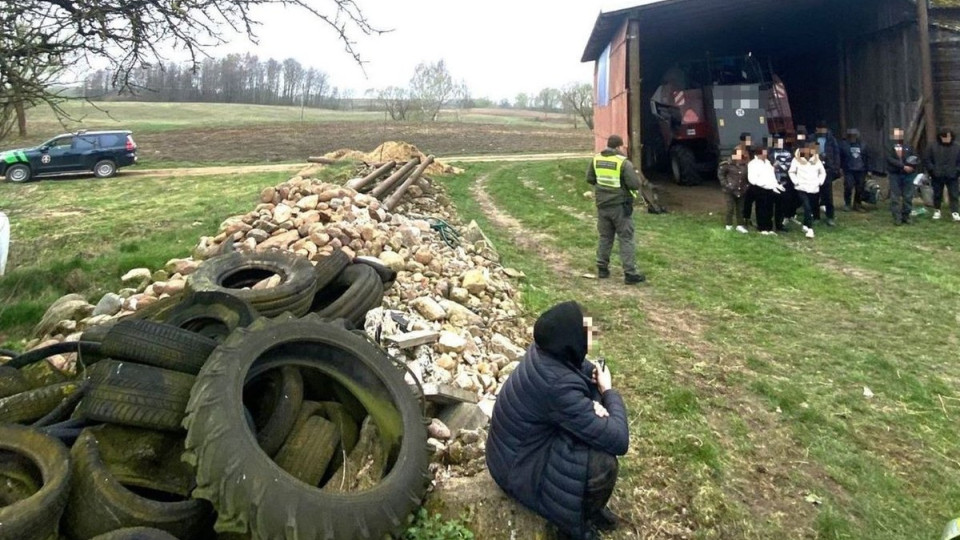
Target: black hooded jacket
<point>943,160</point>
<point>854,154</point>
<point>544,424</point>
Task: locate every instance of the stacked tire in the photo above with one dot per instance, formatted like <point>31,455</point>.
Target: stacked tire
<point>232,409</point>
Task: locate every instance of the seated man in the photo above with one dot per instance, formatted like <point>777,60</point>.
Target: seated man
<point>557,426</point>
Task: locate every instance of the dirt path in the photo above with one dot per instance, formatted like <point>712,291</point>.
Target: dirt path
<point>279,167</point>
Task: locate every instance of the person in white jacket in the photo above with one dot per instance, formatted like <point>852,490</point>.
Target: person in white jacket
<point>763,177</point>
<point>808,174</point>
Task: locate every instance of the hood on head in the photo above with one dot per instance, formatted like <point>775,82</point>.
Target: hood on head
<point>559,332</point>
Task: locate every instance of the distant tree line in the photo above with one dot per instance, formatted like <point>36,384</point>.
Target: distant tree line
<point>232,79</point>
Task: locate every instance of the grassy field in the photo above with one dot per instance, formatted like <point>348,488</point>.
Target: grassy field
<point>745,359</point>
<point>197,134</point>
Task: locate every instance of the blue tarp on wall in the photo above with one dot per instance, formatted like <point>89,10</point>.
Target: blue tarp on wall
<point>603,78</point>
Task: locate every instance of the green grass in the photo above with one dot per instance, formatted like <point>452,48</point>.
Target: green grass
<point>753,352</point>
<point>80,236</point>
<point>152,117</point>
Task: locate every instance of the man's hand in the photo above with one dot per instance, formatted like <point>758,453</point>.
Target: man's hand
<point>600,410</point>
<point>601,376</point>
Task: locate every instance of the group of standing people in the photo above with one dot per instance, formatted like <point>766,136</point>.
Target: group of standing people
<point>781,180</point>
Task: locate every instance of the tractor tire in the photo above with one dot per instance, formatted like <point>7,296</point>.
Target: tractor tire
<point>12,382</point>
<point>232,272</point>
<point>211,314</point>
<point>250,491</point>
<point>157,344</point>
<point>131,394</point>
<point>330,267</point>
<point>34,404</point>
<point>357,291</point>
<point>36,517</point>
<point>280,407</point>
<point>19,173</point>
<point>683,166</point>
<point>136,533</point>
<point>99,503</point>
<point>309,450</point>
<point>388,276</point>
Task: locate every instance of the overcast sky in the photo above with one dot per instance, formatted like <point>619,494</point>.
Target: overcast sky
<point>499,47</point>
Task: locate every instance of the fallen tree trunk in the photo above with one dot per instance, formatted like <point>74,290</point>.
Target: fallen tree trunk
<point>394,199</point>
<point>384,187</point>
<point>359,184</point>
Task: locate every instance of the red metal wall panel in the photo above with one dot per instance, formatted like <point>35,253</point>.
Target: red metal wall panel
<point>613,118</point>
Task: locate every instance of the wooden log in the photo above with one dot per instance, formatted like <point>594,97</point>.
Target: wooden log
<point>321,160</point>
<point>359,184</point>
<point>394,199</point>
<point>413,339</point>
<point>384,187</point>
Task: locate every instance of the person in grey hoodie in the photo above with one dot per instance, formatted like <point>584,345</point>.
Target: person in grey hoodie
<point>943,164</point>
<point>616,184</point>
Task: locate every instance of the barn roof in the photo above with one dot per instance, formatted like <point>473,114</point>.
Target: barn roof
<point>678,13</point>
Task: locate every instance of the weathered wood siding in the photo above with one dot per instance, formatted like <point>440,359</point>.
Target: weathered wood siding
<point>613,119</point>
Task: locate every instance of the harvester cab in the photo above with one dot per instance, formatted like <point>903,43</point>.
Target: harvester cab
<point>704,106</point>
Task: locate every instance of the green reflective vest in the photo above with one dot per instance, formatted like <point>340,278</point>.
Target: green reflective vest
<point>608,169</point>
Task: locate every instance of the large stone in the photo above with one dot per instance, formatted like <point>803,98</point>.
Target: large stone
<point>184,267</point>
<point>438,430</point>
<point>501,344</point>
<point>137,275</point>
<point>282,213</point>
<point>266,196</point>
<point>459,295</point>
<point>308,203</point>
<point>109,304</point>
<point>258,235</point>
<point>463,416</point>
<point>474,281</point>
<point>459,315</point>
<point>280,241</point>
<point>70,307</point>
<point>392,259</point>
<point>428,308</point>
<point>451,343</point>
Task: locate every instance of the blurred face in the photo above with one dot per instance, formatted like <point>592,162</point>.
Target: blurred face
<point>946,138</point>
<point>778,144</point>
<point>897,134</point>
<point>737,155</point>
<point>821,131</point>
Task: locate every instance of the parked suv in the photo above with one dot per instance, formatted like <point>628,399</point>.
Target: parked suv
<point>102,152</point>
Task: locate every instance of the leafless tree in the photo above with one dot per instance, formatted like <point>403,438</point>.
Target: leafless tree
<point>431,88</point>
<point>395,101</point>
<point>578,101</point>
<point>131,35</point>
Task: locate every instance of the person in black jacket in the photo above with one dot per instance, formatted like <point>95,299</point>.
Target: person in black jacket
<point>943,164</point>
<point>557,426</point>
<point>830,156</point>
<point>901,176</point>
<point>854,160</point>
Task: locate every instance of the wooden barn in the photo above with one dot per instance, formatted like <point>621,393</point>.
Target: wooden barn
<point>855,63</point>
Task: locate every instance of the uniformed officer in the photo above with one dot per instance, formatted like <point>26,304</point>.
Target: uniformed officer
<point>616,184</point>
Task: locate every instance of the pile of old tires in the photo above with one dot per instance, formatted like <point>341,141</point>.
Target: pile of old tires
<point>235,410</point>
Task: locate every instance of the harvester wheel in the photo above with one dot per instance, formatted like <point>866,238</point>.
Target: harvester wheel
<point>683,165</point>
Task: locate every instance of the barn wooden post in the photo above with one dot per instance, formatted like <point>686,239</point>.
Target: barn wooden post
<point>635,96</point>
<point>926,70</point>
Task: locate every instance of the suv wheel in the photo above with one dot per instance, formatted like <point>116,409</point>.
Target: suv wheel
<point>18,173</point>
<point>105,169</point>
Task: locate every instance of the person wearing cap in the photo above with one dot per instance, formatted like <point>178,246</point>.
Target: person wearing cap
<point>616,183</point>
<point>901,170</point>
<point>943,165</point>
<point>854,161</point>
<point>830,157</point>
<point>558,426</point>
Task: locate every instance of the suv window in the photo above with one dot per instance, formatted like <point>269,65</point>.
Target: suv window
<point>113,140</point>
<point>82,144</point>
<point>62,143</point>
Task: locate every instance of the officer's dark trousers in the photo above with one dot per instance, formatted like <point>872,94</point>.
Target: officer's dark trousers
<point>614,221</point>
<point>953,190</point>
<point>853,185</point>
